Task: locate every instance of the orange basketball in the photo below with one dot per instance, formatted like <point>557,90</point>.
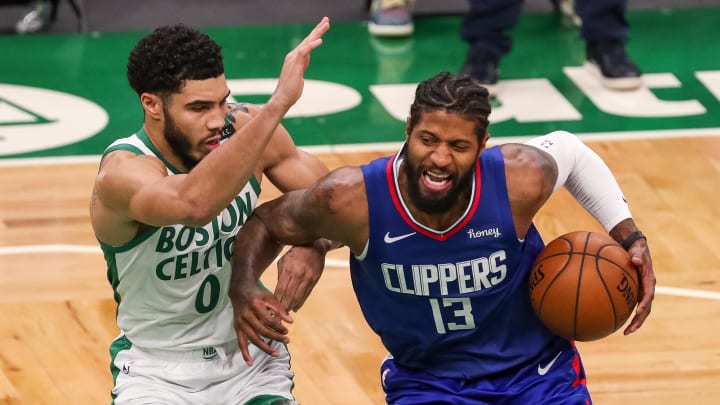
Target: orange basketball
<point>583,286</point>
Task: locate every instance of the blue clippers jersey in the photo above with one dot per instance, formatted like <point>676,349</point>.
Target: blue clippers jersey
<point>453,303</point>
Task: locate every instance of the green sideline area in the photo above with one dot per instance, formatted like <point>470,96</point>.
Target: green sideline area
<point>64,95</point>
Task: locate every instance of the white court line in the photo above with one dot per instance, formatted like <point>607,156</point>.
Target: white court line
<point>392,146</point>
<point>686,292</point>
<point>373,147</point>
<point>29,249</point>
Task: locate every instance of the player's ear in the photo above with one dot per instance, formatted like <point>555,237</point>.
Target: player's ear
<point>152,104</point>
<point>408,129</point>
<point>484,140</point>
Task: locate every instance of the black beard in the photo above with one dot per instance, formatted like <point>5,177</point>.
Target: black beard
<point>459,191</point>
<point>179,143</point>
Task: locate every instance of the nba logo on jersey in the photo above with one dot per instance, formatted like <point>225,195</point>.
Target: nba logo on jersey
<point>126,367</point>
<point>209,353</point>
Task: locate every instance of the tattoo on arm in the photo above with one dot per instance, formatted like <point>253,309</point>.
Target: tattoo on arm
<point>229,129</point>
<point>234,108</point>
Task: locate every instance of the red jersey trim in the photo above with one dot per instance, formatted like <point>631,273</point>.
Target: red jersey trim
<point>441,236</point>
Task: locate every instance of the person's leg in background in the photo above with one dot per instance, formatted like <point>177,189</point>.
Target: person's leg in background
<point>485,28</point>
<point>605,31</point>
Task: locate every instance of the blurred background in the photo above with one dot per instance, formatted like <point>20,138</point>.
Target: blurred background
<point>107,15</point>
<point>64,97</point>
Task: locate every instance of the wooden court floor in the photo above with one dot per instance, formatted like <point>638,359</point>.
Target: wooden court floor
<point>57,312</point>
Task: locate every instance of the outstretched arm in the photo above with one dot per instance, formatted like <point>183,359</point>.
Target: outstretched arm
<point>254,251</point>
<point>290,168</point>
<point>335,209</point>
<point>586,176</point>
<point>132,189</point>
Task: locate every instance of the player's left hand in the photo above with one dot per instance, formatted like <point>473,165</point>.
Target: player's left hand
<point>290,84</point>
<point>257,314</point>
<point>640,257</point>
<point>298,272</point>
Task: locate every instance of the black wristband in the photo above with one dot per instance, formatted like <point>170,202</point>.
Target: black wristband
<point>631,239</point>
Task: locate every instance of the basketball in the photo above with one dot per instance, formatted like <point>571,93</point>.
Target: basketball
<point>583,286</point>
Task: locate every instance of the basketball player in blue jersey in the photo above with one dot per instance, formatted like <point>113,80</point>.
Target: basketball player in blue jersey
<point>166,205</point>
<point>442,241</point>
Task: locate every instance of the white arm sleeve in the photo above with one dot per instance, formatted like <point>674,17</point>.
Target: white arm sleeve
<point>586,176</point>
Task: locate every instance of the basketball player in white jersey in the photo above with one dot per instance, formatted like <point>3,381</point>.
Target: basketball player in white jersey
<point>166,205</point>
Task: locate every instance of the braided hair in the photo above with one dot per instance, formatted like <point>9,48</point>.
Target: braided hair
<point>457,94</point>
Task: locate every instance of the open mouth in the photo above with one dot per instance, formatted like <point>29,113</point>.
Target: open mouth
<point>213,143</point>
<point>436,181</point>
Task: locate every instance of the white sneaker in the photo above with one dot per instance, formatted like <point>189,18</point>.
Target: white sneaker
<point>36,19</point>
<point>566,10</point>
<point>391,18</point>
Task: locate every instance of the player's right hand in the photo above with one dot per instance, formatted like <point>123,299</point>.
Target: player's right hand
<point>258,316</point>
<point>290,85</point>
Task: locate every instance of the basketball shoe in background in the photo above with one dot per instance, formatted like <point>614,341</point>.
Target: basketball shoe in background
<point>391,18</point>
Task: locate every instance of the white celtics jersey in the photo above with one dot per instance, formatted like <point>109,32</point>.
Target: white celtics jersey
<point>171,283</point>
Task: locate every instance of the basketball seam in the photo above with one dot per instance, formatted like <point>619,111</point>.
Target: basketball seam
<point>631,280</point>
<point>603,257</point>
<point>605,286</point>
<point>578,284</point>
<point>557,275</point>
